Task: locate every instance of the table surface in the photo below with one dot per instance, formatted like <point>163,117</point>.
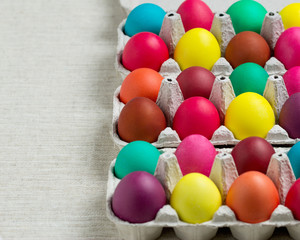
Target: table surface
<point>57,80</point>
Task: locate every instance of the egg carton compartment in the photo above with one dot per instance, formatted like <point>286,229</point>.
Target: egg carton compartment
<point>223,174</point>
<point>170,97</point>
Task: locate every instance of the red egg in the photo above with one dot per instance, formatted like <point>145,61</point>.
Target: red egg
<point>293,199</point>
<point>195,14</point>
<point>196,115</point>
<point>141,119</point>
<point>252,154</point>
<point>292,80</point>
<point>144,50</point>
<point>253,197</point>
<point>195,154</point>
<point>196,81</point>
<point>138,197</point>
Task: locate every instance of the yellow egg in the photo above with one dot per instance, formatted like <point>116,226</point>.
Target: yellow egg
<point>291,15</point>
<point>195,198</point>
<point>249,114</point>
<point>197,47</point>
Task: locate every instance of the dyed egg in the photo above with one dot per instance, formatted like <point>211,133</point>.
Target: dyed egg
<point>252,154</point>
<point>195,154</point>
<point>294,156</point>
<point>292,80</point>
<point>290,15</point>
<point>196,81</point>
<point>293,198</point>
<point>249,77</point>
<point>197,47</point>
<point>248,115</point>
<point>136,156</point>
<point>142,82</point>
<point>195,198</point>
<point>195,14</point>
<point>138,197</point>
<point>253,197</point>
<point>196,115</point>
<point>146,17</point>
<point>247,16</point>
<point>290,114</point>
<point>247,47</point>
<point>287,48</point>
<point>144,50</point>
<point>141,119</point>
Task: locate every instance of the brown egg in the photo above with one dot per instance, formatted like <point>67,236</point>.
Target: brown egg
<point>247,47</point>
<point>141,119</point>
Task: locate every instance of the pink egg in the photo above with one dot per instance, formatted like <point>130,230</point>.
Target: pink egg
<point>195,154</point>
<point>196,115</point>
<point>195,14</point>
<point>287,49</point>
<point>145,50</point>
<point>292,80</point>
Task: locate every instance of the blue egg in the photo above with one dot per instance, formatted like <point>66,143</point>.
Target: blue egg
<point>294,156</point>
<point>146,17</point>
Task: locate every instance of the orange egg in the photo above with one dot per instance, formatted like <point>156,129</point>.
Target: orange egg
<point>253,197</point>
<point>142,82</point>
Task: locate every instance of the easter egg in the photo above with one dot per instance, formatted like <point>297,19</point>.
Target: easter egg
<point>195,14</point>
<point>196,81</point>
<point>196,115</point>
<point>252,154</point>
<point>147,17</point>
<point>248,115</point>
<point>136,156</point>
<point>249,77</point>
<point>195,154</point>
<point>290,114</point>
<point>141,82</point>
<point>247,47</point>
<point>287,48</point>
<point>138,197</point>
<point>253,197</point>
<point>141,119</point>
<point>144,50</point>
<point>197,47</point>
<point>294,156</point>
<point>292,80</point>
<point>195,198</point>
<point>247,16</point>
<point>290,15</point>
<point>293,198</point>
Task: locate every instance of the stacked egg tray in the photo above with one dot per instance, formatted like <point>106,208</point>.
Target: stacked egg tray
<point>223,172</point>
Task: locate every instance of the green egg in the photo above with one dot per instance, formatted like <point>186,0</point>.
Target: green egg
<point>136,156</point>
<point>249,77</point>
<point>247,15</point>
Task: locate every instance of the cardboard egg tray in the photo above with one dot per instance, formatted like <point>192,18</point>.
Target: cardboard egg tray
<point>223,174</point>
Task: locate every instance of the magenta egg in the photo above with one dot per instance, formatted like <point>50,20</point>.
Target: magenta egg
<point>196,115</point>
<point>292,80</point>
<point>293,198</point>
<point>138,197</point>
<point>287,48</point>
<point>195,154</point>
<point>252,154</point>
<point>290,114</point>
<point>144,50</point>
<point>195,14</point>
<point>196,81</point>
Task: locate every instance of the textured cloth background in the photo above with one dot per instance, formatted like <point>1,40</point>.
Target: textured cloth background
<point>57,79</point>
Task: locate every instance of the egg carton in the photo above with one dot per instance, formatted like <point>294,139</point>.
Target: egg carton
<point>223,174</point>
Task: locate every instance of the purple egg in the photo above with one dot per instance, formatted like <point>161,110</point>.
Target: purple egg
<point>138,197</point>
<point>290,115</point>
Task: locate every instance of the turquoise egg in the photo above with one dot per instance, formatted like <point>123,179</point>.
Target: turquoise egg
<point>146,17</point>
<point>136,156</point>
<point>294,156</point>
